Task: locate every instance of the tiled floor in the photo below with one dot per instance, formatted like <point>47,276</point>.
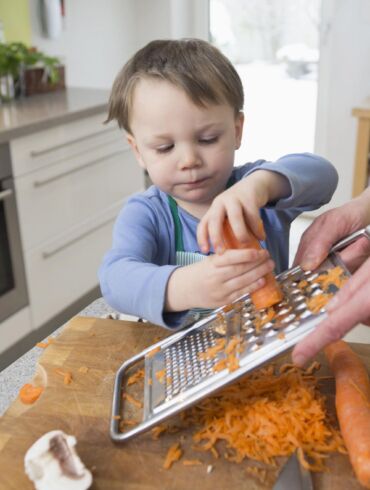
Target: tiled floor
<point>360,333</point>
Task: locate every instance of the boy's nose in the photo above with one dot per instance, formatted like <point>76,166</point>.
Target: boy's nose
<point>189,159</point>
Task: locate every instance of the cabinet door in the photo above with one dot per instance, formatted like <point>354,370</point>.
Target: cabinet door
<point>61,143</point>
<point>60,272</point>
<point>56,198</point>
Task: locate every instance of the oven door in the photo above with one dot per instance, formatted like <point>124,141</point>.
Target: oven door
<point>13,290</point>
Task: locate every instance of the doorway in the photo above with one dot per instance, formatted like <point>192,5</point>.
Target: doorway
<point>274,45</point>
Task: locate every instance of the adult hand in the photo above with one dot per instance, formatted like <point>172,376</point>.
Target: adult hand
<point>218,279</point>
<point>350,306</point>
<point>332,226</point>
<point>329,228</point>
<point>240,204</point>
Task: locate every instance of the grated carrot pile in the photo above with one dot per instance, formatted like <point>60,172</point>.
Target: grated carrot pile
<point>174,454</point>
<point>267,415</point>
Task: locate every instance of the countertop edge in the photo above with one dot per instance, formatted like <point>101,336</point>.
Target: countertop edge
<point>9,134</point>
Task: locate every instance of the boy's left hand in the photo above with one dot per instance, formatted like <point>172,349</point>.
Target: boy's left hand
<point>240,204</point>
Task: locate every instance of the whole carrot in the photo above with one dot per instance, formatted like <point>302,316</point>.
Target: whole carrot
<point>352,401</point>
<point>270,293</point>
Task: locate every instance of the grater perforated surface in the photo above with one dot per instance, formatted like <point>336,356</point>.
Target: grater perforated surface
<point>188,376</point>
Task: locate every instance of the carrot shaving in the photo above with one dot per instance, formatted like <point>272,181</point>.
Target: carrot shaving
<point>127,423</point>
<point>132,400</point>
<point>43,345</point>
<point>214,452</point>
<point>174,454</point>
<point>116,417</point>
<point>317,303</point>
<point>192,462</point>
<point>259,473</point>
<point>67,378</point>
<point>212,352</point>
<point>153,352</point>
<point>158,430</point>
<point>67,375</point>
<point>29,393</point>
<point>334,277</point>
<point>134,378</point>
<point>160,375</point>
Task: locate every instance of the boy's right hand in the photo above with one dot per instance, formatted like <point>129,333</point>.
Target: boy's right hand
<point>218,279</point>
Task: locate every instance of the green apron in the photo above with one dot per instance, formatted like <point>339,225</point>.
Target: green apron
<point>185,258</point>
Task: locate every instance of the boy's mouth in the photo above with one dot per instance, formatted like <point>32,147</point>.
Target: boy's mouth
<point>196,183</point>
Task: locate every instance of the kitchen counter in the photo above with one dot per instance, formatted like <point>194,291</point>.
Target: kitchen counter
<point>30,114</point>
<point>22,370</point>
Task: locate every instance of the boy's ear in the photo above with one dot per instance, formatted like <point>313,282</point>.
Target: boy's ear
<point>239,123</point>
<point>132,142</point>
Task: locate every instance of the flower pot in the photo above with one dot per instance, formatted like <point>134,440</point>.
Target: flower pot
<point>36,81</point>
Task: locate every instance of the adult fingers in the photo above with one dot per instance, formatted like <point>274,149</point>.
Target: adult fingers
<point>334,327</point>
<point>317,240</point>
<point>355,254</point>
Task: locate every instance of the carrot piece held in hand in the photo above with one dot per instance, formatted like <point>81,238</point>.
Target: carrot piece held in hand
<point>352,401</point>
<point>270,293</point>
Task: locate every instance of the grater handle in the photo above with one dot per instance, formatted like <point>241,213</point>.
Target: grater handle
<point>350,239</point>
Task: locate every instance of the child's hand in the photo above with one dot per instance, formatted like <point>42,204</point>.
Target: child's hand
<point>218,279</point>
<point>240,204</point>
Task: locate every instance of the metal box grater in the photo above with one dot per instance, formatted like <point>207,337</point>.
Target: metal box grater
<point>189,378</point>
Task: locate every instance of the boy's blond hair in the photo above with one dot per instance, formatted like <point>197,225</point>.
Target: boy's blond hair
<point>196,66</point>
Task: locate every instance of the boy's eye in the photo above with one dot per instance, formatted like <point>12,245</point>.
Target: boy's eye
<point>164,148</point>
<point>208,141</point>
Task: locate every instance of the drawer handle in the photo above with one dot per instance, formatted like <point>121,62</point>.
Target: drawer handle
<point>49,253</point>
<point>5,194</point>
<point>38,153</point>
<point>40,183</point>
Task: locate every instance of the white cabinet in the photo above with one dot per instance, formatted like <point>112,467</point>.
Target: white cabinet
<point>71,181</point>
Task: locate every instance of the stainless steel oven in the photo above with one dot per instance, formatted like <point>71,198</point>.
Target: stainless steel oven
<point>13,290</point>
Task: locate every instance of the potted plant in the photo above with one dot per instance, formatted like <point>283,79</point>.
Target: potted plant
<point>30,70</point>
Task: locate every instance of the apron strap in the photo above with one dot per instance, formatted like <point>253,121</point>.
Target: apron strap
<point>179,243</point>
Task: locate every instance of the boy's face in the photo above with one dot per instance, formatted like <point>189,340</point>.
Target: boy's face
<point>187,150</point>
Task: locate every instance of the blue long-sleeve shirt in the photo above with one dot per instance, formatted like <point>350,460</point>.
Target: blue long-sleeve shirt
<point>135,271</point>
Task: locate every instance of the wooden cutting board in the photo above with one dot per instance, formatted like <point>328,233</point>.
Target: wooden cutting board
<point>83,409</point>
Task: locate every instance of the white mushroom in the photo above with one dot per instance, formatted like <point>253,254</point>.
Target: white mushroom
<point>53,464</point>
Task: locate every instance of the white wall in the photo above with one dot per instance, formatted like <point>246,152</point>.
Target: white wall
<point>344,83</point>
<point>97,38</point>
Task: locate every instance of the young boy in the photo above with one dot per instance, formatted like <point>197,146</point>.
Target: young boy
<point>180,103</point>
